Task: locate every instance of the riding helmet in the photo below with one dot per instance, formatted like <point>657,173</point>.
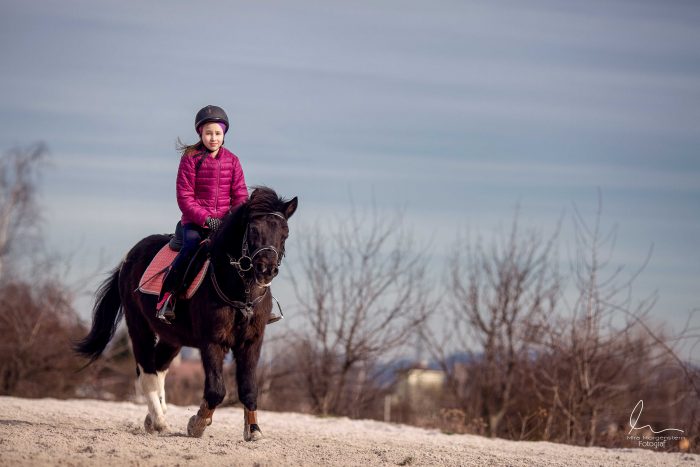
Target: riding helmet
<point>209,114</point>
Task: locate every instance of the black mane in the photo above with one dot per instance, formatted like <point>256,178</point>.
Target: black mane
<point>262,200</point>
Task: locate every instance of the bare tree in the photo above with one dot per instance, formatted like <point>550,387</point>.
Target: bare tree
<point>591,351</point>
<point>19,169</point>
<point>363,291</point>
<point>493,295</point>
<point>37,318</point>
<point>567,365</point>
<point>37,324</point>
<point>688,337</point>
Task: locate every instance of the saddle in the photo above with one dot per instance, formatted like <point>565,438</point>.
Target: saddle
<point>152,279</point>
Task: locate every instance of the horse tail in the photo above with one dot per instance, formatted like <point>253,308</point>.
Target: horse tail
<point>107,313</point>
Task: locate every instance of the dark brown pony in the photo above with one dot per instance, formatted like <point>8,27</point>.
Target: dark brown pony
<point>228,312</point>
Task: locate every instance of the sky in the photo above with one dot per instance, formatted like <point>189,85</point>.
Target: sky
<point>454,112</point>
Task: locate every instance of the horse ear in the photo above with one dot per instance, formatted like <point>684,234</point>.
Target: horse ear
<point>291,207</point>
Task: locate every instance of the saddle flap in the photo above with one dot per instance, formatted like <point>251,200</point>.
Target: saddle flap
<point>152,279</point>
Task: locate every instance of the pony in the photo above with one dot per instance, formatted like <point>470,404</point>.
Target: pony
<point>229,311</point>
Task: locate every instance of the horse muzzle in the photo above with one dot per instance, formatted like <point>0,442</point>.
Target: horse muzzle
<point>264,271</point>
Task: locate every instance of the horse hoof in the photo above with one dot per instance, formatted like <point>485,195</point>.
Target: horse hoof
<point>196,426</point>
<point>252,433</point>
<point>148,425</point>
<point>152,427</point>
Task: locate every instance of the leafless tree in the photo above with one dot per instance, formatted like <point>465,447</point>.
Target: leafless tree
<point>37,318</point>
<point>493,293</point>
<point>362,289</point>
<point>593,350</point>
<point>37,324</point>
<point>567,364</point>
<point>19,170</point>
<point>685,341</point>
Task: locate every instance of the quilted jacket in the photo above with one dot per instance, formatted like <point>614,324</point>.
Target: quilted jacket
<point>217,186</point>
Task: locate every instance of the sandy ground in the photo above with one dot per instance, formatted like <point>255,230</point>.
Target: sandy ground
<point>89,432</point>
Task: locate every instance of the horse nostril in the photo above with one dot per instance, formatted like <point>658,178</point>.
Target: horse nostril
<point>265,269</point>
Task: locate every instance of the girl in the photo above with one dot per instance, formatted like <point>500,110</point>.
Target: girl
<point>210,183</point>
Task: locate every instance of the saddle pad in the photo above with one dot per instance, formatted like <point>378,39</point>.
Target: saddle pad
<point>152,280</point>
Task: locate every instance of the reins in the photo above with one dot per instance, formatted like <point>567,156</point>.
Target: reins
<point>245,307</point>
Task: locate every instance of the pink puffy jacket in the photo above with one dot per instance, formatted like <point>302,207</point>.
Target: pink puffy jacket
<point>212,190</point>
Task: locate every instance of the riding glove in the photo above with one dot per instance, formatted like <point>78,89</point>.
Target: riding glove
<point>213,223</point>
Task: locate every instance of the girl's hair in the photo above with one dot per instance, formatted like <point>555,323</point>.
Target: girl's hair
<point>189,149</point>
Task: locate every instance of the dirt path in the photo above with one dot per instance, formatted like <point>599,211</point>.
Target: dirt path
<point>89,432</point>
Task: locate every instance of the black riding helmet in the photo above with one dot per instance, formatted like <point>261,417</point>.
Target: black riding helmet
<point>209,114</point>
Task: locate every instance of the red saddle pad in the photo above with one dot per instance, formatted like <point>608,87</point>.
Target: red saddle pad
<point>152,279</point>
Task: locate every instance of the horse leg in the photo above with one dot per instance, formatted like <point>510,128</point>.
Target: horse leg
<point>165,353</point>
<point>214,388</point>
<point>247,357</point>
<point>143,342</point>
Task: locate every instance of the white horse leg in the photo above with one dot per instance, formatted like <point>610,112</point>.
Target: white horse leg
<point>161,390</point>
<point>155,420</point>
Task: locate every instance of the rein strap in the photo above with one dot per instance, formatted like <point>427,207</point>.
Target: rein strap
<point>245,307</point>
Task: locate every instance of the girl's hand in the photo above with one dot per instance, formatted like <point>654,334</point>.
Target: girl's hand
<point>213,223</point>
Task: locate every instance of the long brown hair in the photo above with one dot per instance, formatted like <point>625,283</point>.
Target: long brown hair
<point>190,149</point>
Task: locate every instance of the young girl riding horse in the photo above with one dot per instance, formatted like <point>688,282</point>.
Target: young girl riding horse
<point>210,183</point>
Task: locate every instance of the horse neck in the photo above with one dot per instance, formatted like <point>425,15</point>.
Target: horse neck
<point>229,242</point>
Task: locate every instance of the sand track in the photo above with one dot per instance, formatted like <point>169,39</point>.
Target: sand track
<point>90,432</point>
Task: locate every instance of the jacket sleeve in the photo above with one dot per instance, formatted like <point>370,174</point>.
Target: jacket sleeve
<point>239,190</point>
<point>185,191</point>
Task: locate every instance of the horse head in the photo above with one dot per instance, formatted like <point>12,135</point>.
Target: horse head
<point>255,235</point>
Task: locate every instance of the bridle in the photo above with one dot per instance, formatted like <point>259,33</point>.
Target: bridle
<point>245,264</point>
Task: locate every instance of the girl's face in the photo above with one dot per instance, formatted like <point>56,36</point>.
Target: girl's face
<point>212,136</point>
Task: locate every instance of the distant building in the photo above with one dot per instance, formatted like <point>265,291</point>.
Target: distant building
<point>417,392</point>
<point>416,384</point>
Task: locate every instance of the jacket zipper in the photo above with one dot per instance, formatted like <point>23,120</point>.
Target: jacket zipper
<point>218,180</point>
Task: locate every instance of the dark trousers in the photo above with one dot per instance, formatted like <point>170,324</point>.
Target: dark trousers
<point>192,235</point>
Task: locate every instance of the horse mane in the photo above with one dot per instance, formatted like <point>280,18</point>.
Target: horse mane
<point>263,199</point>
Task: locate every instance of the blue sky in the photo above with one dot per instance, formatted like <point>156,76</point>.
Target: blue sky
<point>452,111</point>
